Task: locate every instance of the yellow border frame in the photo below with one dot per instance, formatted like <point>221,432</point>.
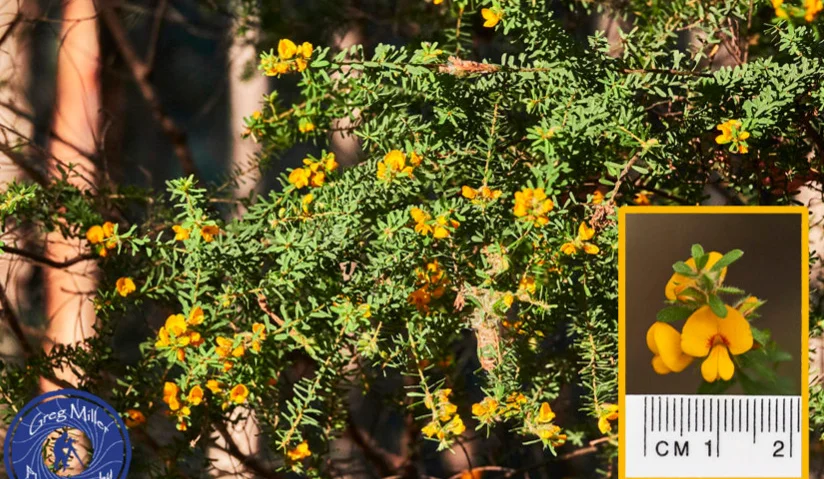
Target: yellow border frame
<point>805,306</point>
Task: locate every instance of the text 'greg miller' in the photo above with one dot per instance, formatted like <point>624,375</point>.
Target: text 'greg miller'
<point>59,417</point>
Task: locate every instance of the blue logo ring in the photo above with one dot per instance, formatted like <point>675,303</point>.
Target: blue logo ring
<point>67,408</point>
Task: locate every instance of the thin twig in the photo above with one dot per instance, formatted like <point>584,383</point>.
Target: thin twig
<point>47,261</point>
<point>386,462</point>
<point>140,72</point>
<point>14,323</point>
<point>248,461</point>
<point>154,37</point>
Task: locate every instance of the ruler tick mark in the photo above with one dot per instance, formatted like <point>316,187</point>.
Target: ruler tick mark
<point>689,417</point>
<point>645,426</point>
<point>717,428</point>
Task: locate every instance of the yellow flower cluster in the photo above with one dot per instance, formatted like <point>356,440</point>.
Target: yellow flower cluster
<point>513,404</point>
<point>176,334</point>
<point>582,242</point>
<point>731,132</point>
<point>482,195</point>
<point>125,286</point>
<point>810,9</point>
<point>101,236</point>
<point>180,404</point>
<point>439,228</point>
<point>608,412</point>
<point>533,205</point>
<point>291,57</point>
<point>207,232</point>
<point>705,334</point>
<point>486,411</point>
<point>314,172</point>
<point>541,425</point>
<point>230,349</point>
<point>396,163</point>
<point>445,423</point>
<point>431,283</point>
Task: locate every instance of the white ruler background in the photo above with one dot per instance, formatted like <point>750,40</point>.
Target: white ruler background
<point>697,436</point>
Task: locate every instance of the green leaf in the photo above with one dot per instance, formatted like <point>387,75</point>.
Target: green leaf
<point>727,260</point>
<point>718,307</point>
<point>761,336</point>
<point>701,261</point>
<point>671,314</point>
<point>683,268</point>
<point>697,252</point>
<point>730,290</point>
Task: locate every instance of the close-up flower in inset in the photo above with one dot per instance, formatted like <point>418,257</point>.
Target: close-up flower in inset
<point>705,335</point>
<point>665,343</point>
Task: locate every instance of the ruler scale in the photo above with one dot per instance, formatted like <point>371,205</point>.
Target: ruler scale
<point>713,436</point>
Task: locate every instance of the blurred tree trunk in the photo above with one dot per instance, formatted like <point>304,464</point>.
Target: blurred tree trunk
<point>69,310</point>
<point>16,130</point>
<point>246,90</point>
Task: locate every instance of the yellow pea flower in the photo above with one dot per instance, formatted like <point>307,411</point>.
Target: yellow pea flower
<point>306,126</point>
<point>485,409</point>
<point>306,201</point>
<point>286,49</point>
<point>533,205</point>
<point>705,335</point>
<point>545,414</point>
<point>597,198</point>
<point>430,429</point>
<point>609,412</point>
<point>108,229</point>
<point>125,286</point>
<point>393,164</point>
<point>95,234</point>
<point>170,391</point>
<point>195,396</point>
<point>181,233</point>
<point>527,284</point>
<point>299,452</point>
<point>134,418</point>
<point>214,386</point>
<point>731,132</point>
<point>679,283</point>
<point>569,248</point>
<point>780,11</point>
<point>306,50</point>
<point>491,16</point>
<point>812,8</point>
<point>209,232</point>
<point>665,343</point>
<point>238,394</point>
<point>642,198</point>
<point>196,316</point>
<point>176,325</point>
<point>259,332</point>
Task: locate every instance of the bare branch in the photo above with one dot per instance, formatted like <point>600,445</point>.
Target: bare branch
<point>47,261</point>
<point>140,71</point>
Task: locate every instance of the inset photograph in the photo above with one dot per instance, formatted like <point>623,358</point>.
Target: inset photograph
<point>713,304</point>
